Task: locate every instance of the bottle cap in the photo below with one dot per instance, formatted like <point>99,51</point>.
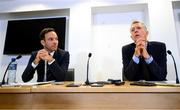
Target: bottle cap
<point>13,59</point>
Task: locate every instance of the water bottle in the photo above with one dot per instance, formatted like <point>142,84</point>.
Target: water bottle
<point>12,71</point>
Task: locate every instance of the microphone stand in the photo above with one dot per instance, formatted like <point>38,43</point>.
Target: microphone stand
<point>177,78</point>
<point>3,80</point>
<point>87,78</point>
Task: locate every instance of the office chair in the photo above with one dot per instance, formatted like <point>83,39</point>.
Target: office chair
<point>69,76</point>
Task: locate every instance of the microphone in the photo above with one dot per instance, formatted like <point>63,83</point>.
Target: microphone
<point>18,57</point>
<point>3,80</point>
<point>87,80</point>
<point>177,78</point>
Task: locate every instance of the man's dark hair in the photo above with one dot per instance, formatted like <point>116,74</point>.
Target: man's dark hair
<point>44,31</point>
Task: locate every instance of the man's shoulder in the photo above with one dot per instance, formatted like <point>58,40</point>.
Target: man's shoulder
<point>34,52</point>
<point>62,52</point>
<point>128,46</point>
<point>156,43</point>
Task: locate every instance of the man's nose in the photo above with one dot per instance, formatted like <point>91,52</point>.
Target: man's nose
<point>136,30</point>
<point>55,41</point>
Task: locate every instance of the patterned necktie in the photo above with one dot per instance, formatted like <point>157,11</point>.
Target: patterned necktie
<point>45,71</point>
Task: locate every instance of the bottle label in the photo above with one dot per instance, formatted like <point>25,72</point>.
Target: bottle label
<point>12,73</point>
<point>13,67</point>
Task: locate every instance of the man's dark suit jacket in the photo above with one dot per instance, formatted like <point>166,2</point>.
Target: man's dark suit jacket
<point>155,71</point>
<point>56,71</point>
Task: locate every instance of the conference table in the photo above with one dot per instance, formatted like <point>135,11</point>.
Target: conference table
<point>108,97</point>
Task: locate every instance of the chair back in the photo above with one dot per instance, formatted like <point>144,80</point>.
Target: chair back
<point>69,76</point>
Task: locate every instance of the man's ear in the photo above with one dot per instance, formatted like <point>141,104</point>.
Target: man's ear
<point>42,43</point>
<point>147,32</point>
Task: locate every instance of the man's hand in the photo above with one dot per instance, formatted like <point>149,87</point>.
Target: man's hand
<point>43,55</point>
<point>140,49</point>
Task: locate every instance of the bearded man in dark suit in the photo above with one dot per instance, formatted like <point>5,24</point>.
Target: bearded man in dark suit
<point>51,63</point>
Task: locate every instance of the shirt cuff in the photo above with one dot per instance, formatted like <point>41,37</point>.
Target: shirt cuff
<point>149,60</point>
<point>34,65</point>
<point>49,63</point>
<point>135,59</point>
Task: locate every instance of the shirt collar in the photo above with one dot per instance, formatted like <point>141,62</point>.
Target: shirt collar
<point>52,53</point>
<point>146,44</point>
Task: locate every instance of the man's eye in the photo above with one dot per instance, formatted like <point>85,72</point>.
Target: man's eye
<point>132,30</point>
<point>138,27</point>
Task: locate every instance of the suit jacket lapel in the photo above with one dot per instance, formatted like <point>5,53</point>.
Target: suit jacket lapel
<point>57,56</point>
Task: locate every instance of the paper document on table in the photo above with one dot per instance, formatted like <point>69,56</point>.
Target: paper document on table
<point>167,83</point>
<point>27,84</point>
<point>32,84</point>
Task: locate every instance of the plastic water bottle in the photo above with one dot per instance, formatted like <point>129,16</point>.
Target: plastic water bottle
<point>12,71</point>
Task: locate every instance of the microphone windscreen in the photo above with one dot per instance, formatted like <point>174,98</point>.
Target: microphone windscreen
<point>90,54</point>
<point>19,56</point>
<point>169,52</point>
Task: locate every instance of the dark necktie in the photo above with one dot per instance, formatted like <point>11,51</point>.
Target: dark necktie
<point>144,69</point>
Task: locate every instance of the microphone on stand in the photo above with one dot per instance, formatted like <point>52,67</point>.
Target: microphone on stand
<point>3,80</point>
<point>87,80</point>
<point>177,78</point>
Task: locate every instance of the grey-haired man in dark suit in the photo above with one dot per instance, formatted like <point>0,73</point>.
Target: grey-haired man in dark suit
<point>143,60</point>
